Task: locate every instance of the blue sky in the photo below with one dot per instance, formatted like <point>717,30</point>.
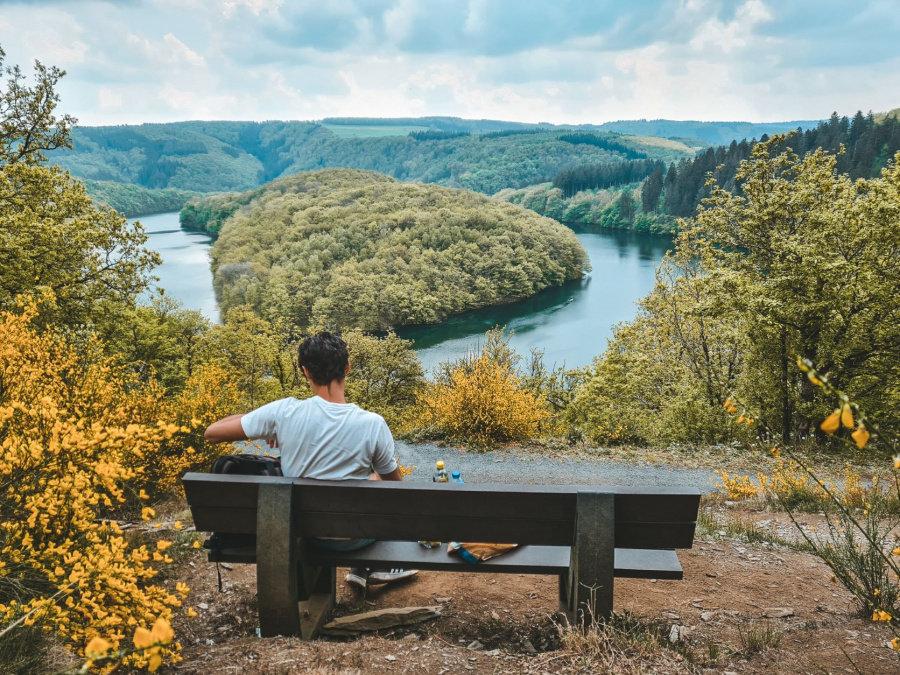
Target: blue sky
<point>564,61</point>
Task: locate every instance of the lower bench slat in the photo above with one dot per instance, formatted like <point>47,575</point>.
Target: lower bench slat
<point>629,563</point>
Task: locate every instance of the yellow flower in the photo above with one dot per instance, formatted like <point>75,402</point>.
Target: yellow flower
<point>896,462</point>
<point>895,644</point>
<point>196,544</point>
<point>143,638</point>
<point>154,662</point>
<point>190,612</point>
<point>162,631</point>
<point>727,403</point>
<point>875,592</point>
<point>177,525</point>
<point>861,436</point>
<point>732,409</point>
<point>96,647</point>
<point>143,495</point>
<point>776,452</point>
<point>162,544</point>
<point>847,416</point>
<point>147,513</point>
<point>896,551</point>
<point>740,420</point>
<point>832,423</point>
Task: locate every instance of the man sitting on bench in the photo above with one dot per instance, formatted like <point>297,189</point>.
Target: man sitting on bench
<point>323,437</point>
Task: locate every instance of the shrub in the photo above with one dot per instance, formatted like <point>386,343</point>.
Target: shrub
<point>479,401</point>
<point>74,433</point>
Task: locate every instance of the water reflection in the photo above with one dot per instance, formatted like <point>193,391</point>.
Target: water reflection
<point>571,323</point>
<point>184,273</point>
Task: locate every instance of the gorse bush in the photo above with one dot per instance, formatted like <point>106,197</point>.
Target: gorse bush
<point>77,434</point>
<point>479,400</point>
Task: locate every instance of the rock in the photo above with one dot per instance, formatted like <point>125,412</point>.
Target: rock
<point>529,647</point>
<point>443,600</point>
<point>226,566</point>
<point>495,616</point>
<point>677,633</point>
<point>496,652</point>
<point>203,605</point>
<point>711,575</point>
<point>708,616</point>
<point>475,644</point>
<point>379,619</point>
<point>778,612</point>
<point>390,657</point>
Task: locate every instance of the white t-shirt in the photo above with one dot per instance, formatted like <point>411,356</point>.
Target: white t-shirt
<point>324,440</point>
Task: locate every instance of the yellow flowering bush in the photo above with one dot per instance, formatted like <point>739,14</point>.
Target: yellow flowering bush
<point>209,394</point>
<point>75,433</point>
<point>480,402</point>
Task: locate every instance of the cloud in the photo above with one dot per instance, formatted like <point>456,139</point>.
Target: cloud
<point>528,60</point>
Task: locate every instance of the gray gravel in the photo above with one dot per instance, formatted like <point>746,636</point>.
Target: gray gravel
<point>532,468</point>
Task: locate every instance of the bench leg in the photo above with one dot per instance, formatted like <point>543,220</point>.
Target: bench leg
<point>276,561</point>
<point>315,610</point>
<point>589,588</point>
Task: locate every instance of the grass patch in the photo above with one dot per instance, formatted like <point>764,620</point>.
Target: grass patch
<point>759,637</point>
<point>718,525</point>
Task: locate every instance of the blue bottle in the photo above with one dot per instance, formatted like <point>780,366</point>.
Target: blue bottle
<point>456,478</point>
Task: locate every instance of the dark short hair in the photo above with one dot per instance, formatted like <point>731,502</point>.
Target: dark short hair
<point>324,355</point>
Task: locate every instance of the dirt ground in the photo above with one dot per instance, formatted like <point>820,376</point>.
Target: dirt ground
<point>729,587</point>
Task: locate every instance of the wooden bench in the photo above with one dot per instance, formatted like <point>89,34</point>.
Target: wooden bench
<point>585,535</point>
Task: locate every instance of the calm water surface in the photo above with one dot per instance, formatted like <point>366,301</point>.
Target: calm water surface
<point>184,273</point>
<point>571,323</point>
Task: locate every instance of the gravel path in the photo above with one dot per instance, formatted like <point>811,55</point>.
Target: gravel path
<point>516,467</point>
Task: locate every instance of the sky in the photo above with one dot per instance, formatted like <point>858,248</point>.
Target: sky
<point>560,61</point>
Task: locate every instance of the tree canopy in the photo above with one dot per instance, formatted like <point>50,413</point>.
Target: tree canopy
<point>53,240</point>
<point>356,249</point>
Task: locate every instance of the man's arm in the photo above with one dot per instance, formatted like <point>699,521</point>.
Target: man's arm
<point>226,430</point>
<point>393,475</point>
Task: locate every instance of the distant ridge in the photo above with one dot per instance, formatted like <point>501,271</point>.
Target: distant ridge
<point>715,133</point>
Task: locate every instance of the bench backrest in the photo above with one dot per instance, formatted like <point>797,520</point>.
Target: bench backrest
<point>645,517</point>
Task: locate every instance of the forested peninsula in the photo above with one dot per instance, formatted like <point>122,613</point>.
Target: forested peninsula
<point>345,248</point>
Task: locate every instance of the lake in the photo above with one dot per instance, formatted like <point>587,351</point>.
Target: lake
<point>184,273</point>
<point>571,323</point>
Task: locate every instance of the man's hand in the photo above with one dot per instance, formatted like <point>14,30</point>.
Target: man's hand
<point>227,430</point>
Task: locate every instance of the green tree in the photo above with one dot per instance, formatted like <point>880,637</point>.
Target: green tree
<point>88,261</point>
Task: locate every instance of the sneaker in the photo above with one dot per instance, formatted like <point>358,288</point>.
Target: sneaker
<point>387,576</point>
<point>357,577</point>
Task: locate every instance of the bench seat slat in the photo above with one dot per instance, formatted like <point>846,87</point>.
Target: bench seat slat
<point>629,563</point>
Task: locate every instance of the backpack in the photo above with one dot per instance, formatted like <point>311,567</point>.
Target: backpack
<point>246,465</point>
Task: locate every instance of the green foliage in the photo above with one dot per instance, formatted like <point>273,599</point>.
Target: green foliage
<point>350,249</point>
<point>87,262</point>
<point>133,200</point>
<point>385,375</point>
<point>805,262</point>
<point>226,156</point>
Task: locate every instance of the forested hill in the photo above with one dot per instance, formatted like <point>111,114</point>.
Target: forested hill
<point>229,156</point>
<point>715,133</point>
<point>346,248</point>
<point>647,195</point>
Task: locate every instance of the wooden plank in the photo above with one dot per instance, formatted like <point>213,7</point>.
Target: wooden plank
<point>593,558</point>
<point>523,560</point>
<point>276,562</point>
<point>629,563</point>
<point>647,564</point>
<point>659,535</point>
<point>506,501</point>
